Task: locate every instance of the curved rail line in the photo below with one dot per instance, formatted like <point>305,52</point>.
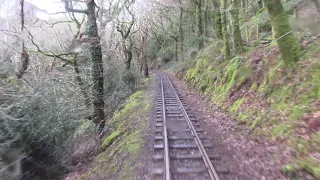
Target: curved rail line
<point>172,99</point>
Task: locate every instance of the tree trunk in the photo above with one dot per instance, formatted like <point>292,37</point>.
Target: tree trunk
<point>143,52</point>
<point>146,68</point>
<point>241,12</point>
<point>141,67</point>
<point>199,24</point>
<point>245,6</point>
<point>181,30</point>
<point>224,29</point>
<point>192,23</point>
<point>97,66</point>
<point>206,26</point>
<point>128,52</point>
<point>258,30</point>
<point>128,56</point>
<point>176,49</point>
<point>282,32</point>
<point>24,58</point>
<point>236,33</point>
<point>218,25</point>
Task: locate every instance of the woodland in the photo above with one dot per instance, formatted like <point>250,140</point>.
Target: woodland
<point>67,77</point>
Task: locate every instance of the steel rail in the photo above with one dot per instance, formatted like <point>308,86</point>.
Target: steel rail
<point>212,172</point>
<point>165,137</point>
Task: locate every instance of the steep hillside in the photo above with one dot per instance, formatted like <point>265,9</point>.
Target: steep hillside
<point>275,101</point>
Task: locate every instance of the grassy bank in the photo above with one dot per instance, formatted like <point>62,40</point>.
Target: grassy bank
<point>121,148</point>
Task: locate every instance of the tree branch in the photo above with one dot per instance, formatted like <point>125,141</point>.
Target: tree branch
<point>50,54</point>
<point>70,9</point>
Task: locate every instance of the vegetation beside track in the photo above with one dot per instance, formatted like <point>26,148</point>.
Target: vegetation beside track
<point>120,150</point>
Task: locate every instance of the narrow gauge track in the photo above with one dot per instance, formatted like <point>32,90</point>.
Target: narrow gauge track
<point>180,150</point>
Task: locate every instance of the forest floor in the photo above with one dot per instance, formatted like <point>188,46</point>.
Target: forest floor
<point>246,155</point>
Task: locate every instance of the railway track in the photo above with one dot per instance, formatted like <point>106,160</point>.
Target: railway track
<point>181,149</point>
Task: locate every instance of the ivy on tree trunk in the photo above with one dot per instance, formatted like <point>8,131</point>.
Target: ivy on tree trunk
<point>97,66</point>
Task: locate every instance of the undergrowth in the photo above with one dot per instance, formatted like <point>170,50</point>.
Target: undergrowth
<point>119,151</point>
<point>273,100</point>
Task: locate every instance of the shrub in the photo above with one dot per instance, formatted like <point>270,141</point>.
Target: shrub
<point>38,121</point>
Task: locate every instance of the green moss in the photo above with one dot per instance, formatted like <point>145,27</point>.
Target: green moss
<point>315,141</point>
<point>290,170</point>
<point>298,112</point>
<point>308,165</point>
<point>243,118</point>
<point>109,140</point>
<point>130,106</point>
<point>254,87</point>
<point>235,107</point>
<point>282,129</point>
<point>256,122</point>
<point>311,167</point>
<point>301,145</point>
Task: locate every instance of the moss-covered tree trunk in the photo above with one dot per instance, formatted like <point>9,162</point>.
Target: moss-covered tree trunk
<point>224,24</point>
<point>218,26</point>
<point>180,28</point>
<point>176,48</point>
<point>236,33</point>
<point>199,24</point>
<point>258,30</point>
<point>206,14</point>
<point>216,17</point>
<point>143,53</point>
<point>282,32</point>
<point>127,49</point>
<point>97,66</point>
<point>245,4</point>
<point>241,12</point>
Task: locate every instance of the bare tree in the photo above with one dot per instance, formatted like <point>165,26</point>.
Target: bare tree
<point>125,28</point>
<point>24,58</point>
<point>143,49</point>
